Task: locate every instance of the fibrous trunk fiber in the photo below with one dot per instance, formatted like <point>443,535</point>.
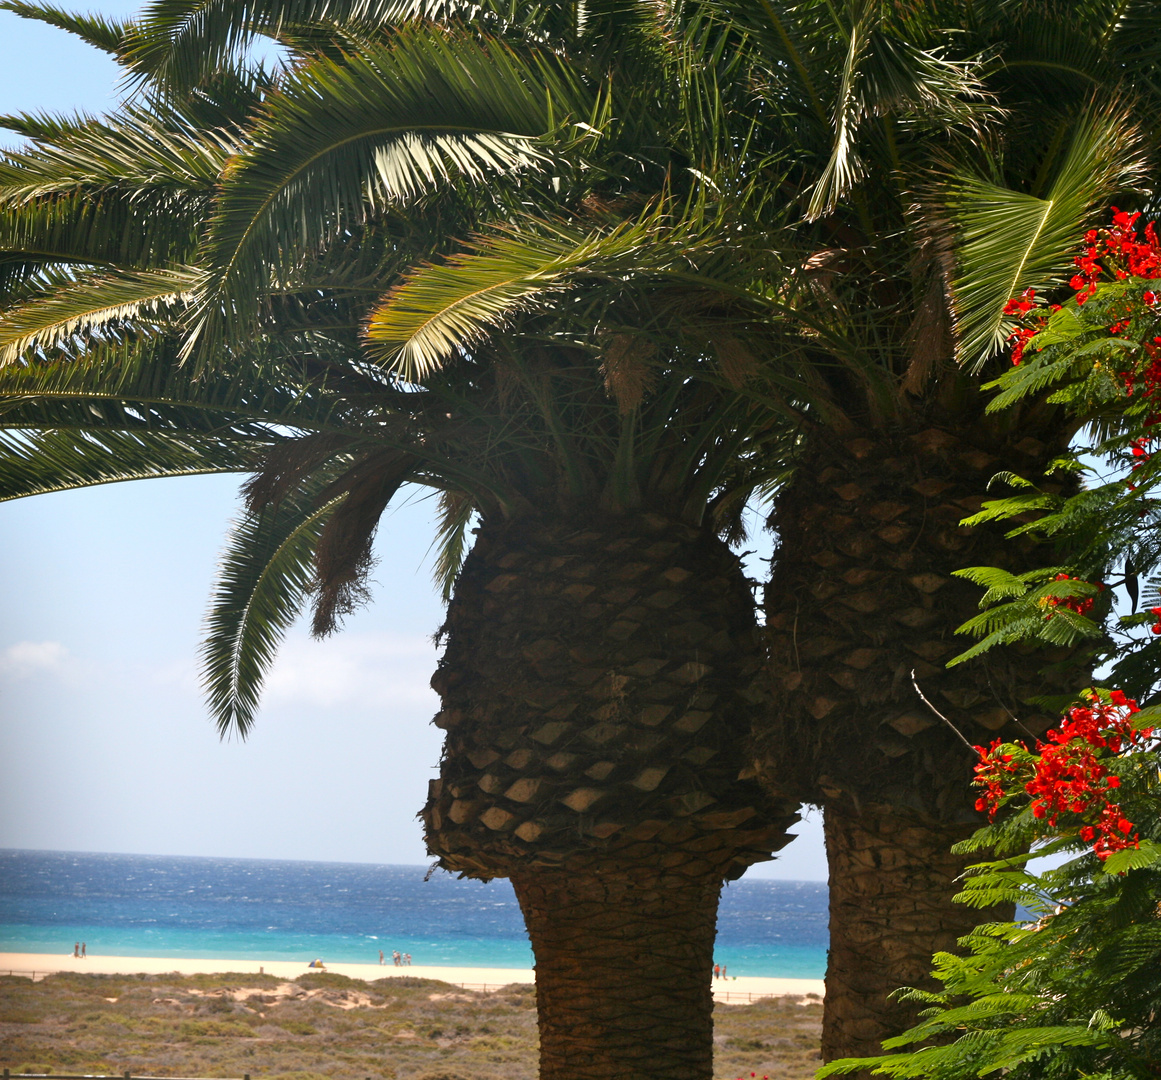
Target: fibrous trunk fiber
<point>622,962</point>
<point>891,883</point>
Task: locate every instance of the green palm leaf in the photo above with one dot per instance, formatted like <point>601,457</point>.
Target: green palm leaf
<point>94,304</point>
<point>139,386</point>
<point>182,41</point>
<point>94,29</point>
<point>1010,241</point>
<point>443,308</point>
<point>148,149</point>
<point>265,575</point>
<point>36,462</point>
<point>367,132</point>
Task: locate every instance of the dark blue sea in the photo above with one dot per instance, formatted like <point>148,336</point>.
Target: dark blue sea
<point>259,909</point>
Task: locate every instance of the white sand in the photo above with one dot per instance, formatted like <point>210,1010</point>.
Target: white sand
<point>733,989</point>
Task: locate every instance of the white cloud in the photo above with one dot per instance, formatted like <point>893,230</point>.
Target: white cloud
<point>34,657</point>
<point>376,670</point>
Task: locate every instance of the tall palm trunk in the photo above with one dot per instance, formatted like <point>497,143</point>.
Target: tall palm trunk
<point>599,683</point>
<point>892,878</point>
<point>622,962</point>
<point>860,597</point>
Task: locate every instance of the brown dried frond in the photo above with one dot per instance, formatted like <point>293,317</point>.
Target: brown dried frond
<point>738,365</point>
<point>343,559</point>
<point>929,337</point>
<point>287,464</point>
<point>508,383</point>
<point>618,206</point>
<point>822,268</point>
<point>627,370</point>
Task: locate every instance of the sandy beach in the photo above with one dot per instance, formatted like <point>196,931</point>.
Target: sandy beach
<point>474,978</point>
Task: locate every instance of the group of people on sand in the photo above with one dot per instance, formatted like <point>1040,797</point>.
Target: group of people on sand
<point>719,971</point>
<point>79,950</point>
<point>398,958</point>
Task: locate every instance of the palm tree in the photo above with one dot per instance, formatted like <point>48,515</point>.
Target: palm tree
<point>602,667</point>
<point>868,107</point>
<point>922,223</point>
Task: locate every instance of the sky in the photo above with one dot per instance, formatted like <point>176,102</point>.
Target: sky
<point>105,742</point>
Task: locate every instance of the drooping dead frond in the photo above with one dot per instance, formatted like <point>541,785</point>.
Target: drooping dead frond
<point>738,365</point>
<point>929,337</point>
<point>286,465</point>
<point>343,558</point>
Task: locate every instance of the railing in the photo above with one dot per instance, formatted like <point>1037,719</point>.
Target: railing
<point>487,988</point>
<point>742,996</point>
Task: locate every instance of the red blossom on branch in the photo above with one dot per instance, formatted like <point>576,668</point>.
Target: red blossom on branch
<point>1117,251</point>
<point>1068,773</point>
<point>1081,605</point>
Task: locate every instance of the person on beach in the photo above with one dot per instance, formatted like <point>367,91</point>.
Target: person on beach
<point>407,959</point>
<point>380,957</point>
<point>84,950</point>
<point>717,971</point>
<point>77,949</point>
<point>396,958</point>
<point>723,971</point>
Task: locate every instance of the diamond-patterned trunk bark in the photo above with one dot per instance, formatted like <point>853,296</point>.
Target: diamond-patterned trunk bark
<point>860,596</point>
<point>891,880</point>
<point>599,684</point>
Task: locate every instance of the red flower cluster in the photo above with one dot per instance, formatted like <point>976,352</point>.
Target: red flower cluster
<point>1082,606</point>
<point>1066,774</point>
<point>1156,613</point>
<point>1020,306</point>
<point>1116,250</point>
<point>995,772</point>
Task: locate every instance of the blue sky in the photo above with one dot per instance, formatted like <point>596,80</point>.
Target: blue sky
<point>104,740</point>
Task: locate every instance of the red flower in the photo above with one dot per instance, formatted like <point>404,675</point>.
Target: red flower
<point>1068,773</point>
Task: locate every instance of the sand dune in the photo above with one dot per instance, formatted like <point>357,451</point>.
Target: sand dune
<point>475,978</point>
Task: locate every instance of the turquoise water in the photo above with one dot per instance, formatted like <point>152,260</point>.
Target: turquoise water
<point>249,909</point>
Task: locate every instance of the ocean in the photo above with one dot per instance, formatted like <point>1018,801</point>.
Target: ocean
<point>261,909</point>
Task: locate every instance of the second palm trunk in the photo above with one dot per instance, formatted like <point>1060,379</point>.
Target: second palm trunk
<point>861,600</point>
<point>599,684</point>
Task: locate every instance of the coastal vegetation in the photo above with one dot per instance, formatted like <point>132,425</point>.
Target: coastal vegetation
<point>1075,989</point>
<point>327,1027</point>
<point>598,276</point>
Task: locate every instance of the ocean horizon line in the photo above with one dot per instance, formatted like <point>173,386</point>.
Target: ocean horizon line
<point>320,862</point>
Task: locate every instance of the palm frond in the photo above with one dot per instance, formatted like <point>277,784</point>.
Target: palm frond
<point>456,512</point>
<point>444,308</point>
<point>370,131</point>
<point>94,29</point>
<point>883,75</point>
<point>264,578</point>
<point>183,41</point>
<point>36,462</point>
<point>88,306</point>
<point>1010,241</point>
<point>140,385</point>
